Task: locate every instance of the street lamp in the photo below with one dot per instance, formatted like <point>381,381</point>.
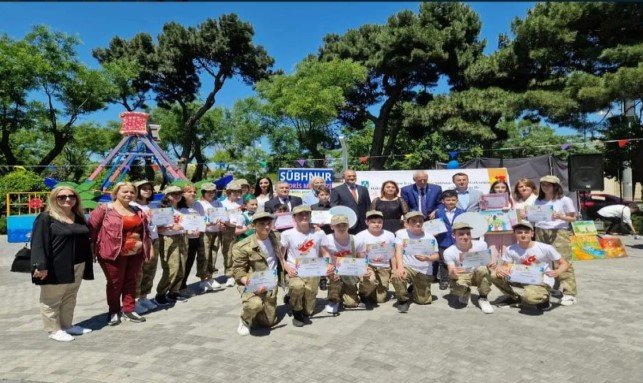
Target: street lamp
<point>342,141</point>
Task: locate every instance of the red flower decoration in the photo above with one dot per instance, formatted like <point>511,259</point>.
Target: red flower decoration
<point>622,143</point>
<point>35,203</point>
<point>363,159</point>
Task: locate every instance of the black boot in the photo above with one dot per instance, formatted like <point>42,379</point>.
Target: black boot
<point>298,318</point>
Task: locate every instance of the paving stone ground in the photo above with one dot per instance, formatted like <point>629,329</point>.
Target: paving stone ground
<point>598,340</point>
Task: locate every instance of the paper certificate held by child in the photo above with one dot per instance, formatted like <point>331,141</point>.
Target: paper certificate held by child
<point>193,222</point>
<point>284,221</point>
<point>217,214</point>
<point>435,226</point>
<point>539,213</point>
<point>348,266</point>
<point>320,217</point>
<point>527,275</point>
<point>311,267</point>
<point>494,201</point>
<point>162,217</point>
<point>415,247</point>
<point>380,252</point>
<point>258,279</point>
<point>470,261</point>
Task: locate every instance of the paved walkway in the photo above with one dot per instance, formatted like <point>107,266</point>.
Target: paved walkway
<point>599,340</point>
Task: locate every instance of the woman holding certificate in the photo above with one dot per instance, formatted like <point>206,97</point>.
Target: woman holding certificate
<point>216,213</point>
<point>196,248</point>
<point>255,264</point>
<point>415,252</point>
<point>121,239</point>
<point>556,231</point>
<point>305,258</point>
<point>172,250</point>
<point>499,198</point>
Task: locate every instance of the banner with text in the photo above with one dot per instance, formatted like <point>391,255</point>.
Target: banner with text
<point>299,179</point>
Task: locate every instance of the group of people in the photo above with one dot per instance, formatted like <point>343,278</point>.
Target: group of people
<point>389,233</point>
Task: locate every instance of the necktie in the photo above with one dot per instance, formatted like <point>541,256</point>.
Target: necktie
<point>421,200</point>
<point>354,193</point>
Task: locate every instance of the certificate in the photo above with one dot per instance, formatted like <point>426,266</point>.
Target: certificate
<point>494,201</point>
<point>284,221</point>
<point>217,214</point>
<point>415,247</point>
<point>193,222</point>
<point>163,216</point>
<point>235,216</point>
<point>527,275</point>
<point>539,213</point>
<point>311,267</point>
<point>320,217</point>
<point>348,266</point>
<point>380,252</point>
<point>258,279</point>
<point>435,226</point>
<point>473,260</point>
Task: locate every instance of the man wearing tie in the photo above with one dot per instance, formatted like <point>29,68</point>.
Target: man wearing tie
<point>283,197</point>
<point>422,196</point>
<point>468,199</point>
<point>354,196</point>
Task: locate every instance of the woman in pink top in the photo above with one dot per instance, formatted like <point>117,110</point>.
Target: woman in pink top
<point>121,242</point>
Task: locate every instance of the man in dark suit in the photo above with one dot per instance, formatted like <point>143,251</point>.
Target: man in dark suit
<point>422,196</point>
<point>354,196</point>
<point>283,197</point>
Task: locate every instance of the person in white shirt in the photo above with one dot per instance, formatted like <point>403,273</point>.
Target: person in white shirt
<point>145,279</point>
<point>524,195</point>
<point>461,279</point>
<point>618,215</point>
<point>232,204</point>
<point>256,253</point>
<point>299,243</point>
<point>341,245</point>
<point>415,252</point>
<point>556,232</point>
<point>206,266</point>
<point>374,288</point>
<point>530,253</point>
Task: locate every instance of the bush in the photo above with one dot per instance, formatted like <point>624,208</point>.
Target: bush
<point>3,225</point>
<point>21,181</point>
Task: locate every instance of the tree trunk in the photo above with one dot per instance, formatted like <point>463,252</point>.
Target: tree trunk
<point>200,160</point>
<point>60,140</point>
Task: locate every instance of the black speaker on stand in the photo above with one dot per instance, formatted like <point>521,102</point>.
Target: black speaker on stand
<point>585,173</point>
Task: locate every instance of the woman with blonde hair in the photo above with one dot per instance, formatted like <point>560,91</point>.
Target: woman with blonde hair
<point>121,241</point>
<point>525,194</point>
<point>61,258</point>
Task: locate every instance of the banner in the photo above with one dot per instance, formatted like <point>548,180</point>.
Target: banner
<point>299,179</point>
<point>479,179</point>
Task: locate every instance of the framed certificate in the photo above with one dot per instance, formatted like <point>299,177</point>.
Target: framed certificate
<point>527,275</point>
<point>435,226</point>
<point>380,252</point>
<point>258,279</point>
<point>415,247</point>
<point>473,260</point>
<point>162,217</point>
<point>217,214</point>
<point>348,266</point>
<point>311,267</point>
<point>320,217</point>
<point>193,222</point>
<point>284,221</point>
<point>539,213</point>
<point>494,201</point>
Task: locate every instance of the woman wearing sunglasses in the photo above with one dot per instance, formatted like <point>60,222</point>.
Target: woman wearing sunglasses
<point>61,259</point>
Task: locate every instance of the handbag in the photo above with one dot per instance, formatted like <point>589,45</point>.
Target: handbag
<point>22,261</point>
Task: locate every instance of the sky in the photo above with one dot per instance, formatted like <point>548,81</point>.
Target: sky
<point>288,30</point>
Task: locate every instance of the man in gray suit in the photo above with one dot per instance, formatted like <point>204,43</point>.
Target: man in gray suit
<point>468,199</point>
<point>354,196</point>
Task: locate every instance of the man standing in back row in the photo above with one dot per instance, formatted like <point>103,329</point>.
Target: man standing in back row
<point>354,196</point>
<point>422,196</point>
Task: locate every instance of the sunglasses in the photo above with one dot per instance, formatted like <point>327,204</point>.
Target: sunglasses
<point>66,196</point>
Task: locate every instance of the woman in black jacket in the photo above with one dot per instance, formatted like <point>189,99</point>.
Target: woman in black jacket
<point>61,258</point>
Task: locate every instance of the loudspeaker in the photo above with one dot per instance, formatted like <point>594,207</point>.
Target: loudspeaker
<point>585,172</point>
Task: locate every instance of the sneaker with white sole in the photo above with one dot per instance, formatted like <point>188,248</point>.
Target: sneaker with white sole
<point>147,303</point>
<point>332,307</point>
<point>485,306</point>
<point>140,308</point>
<point>77,330</point>
<point>229,282</point>
<point>133,317</point>
<point>568,300</point>
<point>243,329</point>
<point>61,336</point>
<point>205,286</point>
<point>215,285</point>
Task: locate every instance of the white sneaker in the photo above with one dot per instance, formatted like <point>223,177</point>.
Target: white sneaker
<point>332,307</point>
<point>77,330</point>
<point>361,305</point>
<point>215,285</point>
<point>464,299</point>
<point>568,300</point>
<point>61,336</point>
<point>205,286</point>
<point>485,306</point>
<point>147,303</point>
<point>243,330</point>
<point>229,282</point>
<point>140,308</point>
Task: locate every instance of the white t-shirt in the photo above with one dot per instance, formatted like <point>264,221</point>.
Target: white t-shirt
<point>303,245</point>
<point>261,202</point>
<point>338,250</point>
<point>269,252</point>
<point>542,253</point>
<point>364,238</point>
<point>561,205</point>
<point>617,211</point>
<point>429,246</point>
<point>205,205</point>
<point>146,209</point>
<point>519,205</point>
<point>194,209</point>
<point>452,253</point>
